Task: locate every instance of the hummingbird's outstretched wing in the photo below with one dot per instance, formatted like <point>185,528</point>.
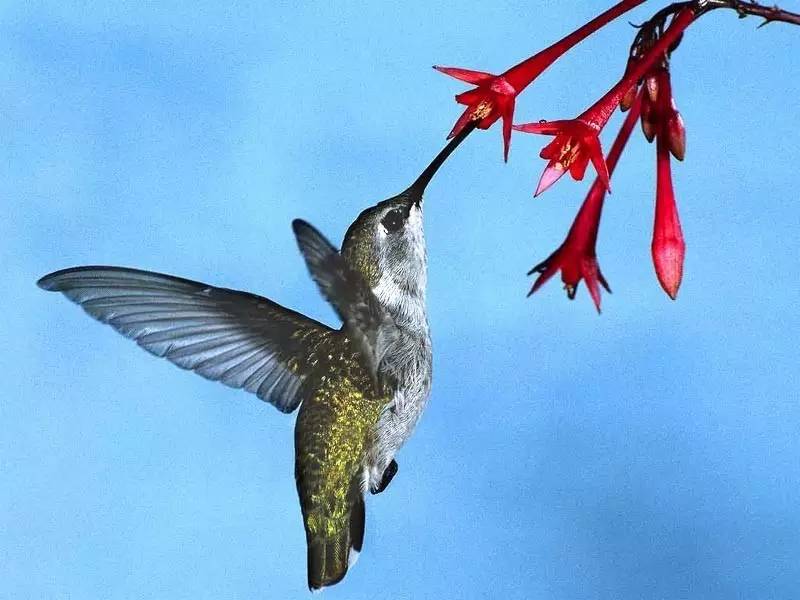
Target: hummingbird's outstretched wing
<point>241,339</point>
<point>368,321</point>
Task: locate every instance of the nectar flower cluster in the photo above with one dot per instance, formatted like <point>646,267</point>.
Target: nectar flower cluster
<point>495,95</point>
<point>645,91</point>
<point>577,141</point>
<point>576,257</point>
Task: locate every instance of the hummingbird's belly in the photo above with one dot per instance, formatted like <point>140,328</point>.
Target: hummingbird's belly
<point>396,424</point>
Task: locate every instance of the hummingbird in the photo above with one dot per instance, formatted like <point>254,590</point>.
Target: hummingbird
<point>360,389</point>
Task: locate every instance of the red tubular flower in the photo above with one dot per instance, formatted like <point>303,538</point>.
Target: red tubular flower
<point>492,99</point>
<point>495,95</point>
<point>666,125</point>
<point>668,248</point>
<point>576,257</point>
<point>676,134</point>
<point>577,141</point>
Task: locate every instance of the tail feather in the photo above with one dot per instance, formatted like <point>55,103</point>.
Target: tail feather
<point>328,560</point>
<point>357,518</point>
<point>330,556</point>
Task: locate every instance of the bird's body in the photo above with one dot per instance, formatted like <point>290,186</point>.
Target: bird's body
<point>335,429</point>
<point>361,389</point>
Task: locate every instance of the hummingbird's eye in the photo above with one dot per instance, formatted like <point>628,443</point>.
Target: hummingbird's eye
<point>394,220</point>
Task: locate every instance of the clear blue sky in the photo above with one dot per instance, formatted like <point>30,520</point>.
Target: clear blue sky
<point>652,452</point>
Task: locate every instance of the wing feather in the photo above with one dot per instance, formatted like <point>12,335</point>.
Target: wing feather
<point>365,318</point>
<point>240,339</point>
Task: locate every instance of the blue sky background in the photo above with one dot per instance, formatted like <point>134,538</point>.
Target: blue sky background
<point>652,452</point>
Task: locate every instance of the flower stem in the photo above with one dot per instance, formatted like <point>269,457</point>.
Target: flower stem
<point>770,14</point>
<point>588,217</point>
<point>522,74</point>
<point>600,112</point>
<point>624,134</point>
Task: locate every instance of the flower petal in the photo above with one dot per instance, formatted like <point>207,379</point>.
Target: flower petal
<point>590,271</point>
<point>596,155</point>
<point>602,280</point>
<point>552,151</point>
<point>544,127</point>
<point>629,98</point>
<point>472,97</point>
<point>490,119</point>
<point>465,118</point>
<point>676,136</point>
<point>474,77</point>
<point>553,172</point>
<point>546,269</point>
<point>648,126</point>
<point>578,167</point>
<point>508,119</point>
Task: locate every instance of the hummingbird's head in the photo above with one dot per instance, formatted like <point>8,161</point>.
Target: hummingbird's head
<point>386,244</point>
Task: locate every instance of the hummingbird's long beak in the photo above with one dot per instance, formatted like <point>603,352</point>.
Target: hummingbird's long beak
<point>417,189</point>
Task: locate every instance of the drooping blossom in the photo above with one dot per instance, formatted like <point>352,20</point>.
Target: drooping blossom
<point>576,143</point>
<point>577,140</point>
<point>576,257</point>
<point>664,123</point>
<point>495,95</point>
<point>668,247</point>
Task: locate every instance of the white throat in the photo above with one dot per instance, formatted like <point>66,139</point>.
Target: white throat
<point>407,306</point>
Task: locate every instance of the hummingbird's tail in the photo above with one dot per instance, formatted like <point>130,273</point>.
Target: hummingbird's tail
<point>330,556</point>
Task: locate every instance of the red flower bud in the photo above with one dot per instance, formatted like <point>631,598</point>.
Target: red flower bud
<point>676,134</point>
<point>649,123</point>
<point>661,117</point>
<point>628,98</point>
<point>667,248</point>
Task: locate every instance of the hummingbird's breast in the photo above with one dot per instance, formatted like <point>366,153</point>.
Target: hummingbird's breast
<point>407,361</point>
<point>409,364</point>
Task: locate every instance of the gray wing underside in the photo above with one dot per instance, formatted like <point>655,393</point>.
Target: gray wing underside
<point>365,318</point>
<point>240,339</point>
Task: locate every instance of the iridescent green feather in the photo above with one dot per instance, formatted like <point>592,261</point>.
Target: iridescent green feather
<point>332,434</point>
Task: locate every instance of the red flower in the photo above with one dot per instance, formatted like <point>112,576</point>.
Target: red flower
<point>577,140</point>
<point>661,121</point>
<point>664,122</point>
<point>660,114</point>
<point>676,134</point>
<point>668,248</point>
<point>576,258</point>
<point>492,99</point>
<point>494,96</point>
<point>575,144</point>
